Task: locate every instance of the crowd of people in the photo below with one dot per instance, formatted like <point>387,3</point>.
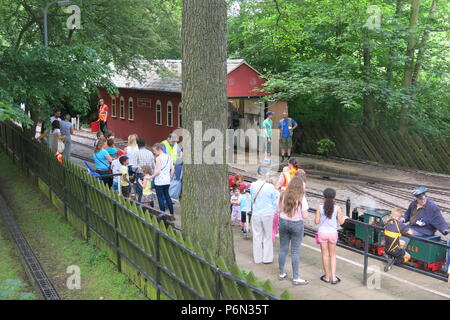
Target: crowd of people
<point>137,172</point>
<point>279,209</point>
<point>59,137</point>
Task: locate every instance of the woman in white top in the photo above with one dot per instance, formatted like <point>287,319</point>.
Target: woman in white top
<point>131,150</point>
<point>55,139</point>
<point>164,171</point>
<point>293,209</point>
<point>327,217</point>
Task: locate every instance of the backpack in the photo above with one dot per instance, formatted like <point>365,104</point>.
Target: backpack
<point>291,131</point>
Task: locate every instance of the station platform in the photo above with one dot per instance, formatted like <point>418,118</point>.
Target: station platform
<point>397,284</point>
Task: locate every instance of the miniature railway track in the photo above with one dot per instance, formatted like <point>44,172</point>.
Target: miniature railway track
<point>31,263</point>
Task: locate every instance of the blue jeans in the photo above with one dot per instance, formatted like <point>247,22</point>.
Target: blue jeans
<point>290,232</point>
<point>162,193</point>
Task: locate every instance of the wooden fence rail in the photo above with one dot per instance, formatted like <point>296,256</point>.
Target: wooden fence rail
<point>154,256</point>
<point>378,145</point>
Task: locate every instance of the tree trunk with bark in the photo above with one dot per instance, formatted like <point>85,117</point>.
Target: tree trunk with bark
<point>369,97</point>
<point>409,64</point>
<point>423,43</point>
<point>205,202</point>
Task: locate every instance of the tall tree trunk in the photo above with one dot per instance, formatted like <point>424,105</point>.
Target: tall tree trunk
<point>409,64</point>
<point>369,98</point>
<point>205,202</point>
<point>390,70</point>
<point>423,43</point>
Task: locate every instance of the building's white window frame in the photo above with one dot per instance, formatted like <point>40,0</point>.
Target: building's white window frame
<point>130,109</point>
<point>180,105</point>
<point>122,108</point>
<point>158,111</point>
<point>169,114</point>
<point>113,107</point>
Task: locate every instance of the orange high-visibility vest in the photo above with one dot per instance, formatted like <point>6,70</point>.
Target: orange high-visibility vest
<point>103,113</point>
<point>288,176</point>
<point>59,157</point>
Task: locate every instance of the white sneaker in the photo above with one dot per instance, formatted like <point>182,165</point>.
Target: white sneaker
<point>300,282</point>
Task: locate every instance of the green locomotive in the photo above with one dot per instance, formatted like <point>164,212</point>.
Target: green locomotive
<point>423,255</point>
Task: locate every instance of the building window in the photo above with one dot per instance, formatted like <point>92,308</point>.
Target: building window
<point>180,122</point>
<point>113,107</point>
<point>169,114</point>
<point>130,109</point>
<point>158,112</point>
<point>122,108</point>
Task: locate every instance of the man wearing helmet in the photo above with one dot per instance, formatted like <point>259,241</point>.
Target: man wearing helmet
<point>424,215</point>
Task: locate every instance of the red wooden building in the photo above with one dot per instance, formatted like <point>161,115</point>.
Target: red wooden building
<point>151,108</point>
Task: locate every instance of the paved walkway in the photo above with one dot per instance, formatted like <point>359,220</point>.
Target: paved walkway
<point>398,283</point>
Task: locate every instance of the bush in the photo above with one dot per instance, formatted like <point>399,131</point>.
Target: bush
<point>324,146</point>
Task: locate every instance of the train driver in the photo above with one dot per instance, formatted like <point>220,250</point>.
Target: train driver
<point>424,215</point>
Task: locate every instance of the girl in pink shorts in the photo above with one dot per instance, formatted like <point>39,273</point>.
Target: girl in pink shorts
<point>327,217</point>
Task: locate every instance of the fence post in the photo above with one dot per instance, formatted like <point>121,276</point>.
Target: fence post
<point>65,193</point>
<point>366,252</point>
<point>158,271</point>
<point>86,220</point>
<point>218,285</point>
<point>116,234</point>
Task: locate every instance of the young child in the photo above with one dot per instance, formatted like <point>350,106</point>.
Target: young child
<point>99,135</point>
<point>245,203</point>
<point>111,148</point>
<point>115,167</point>
<point>395,244</point>
<point>125,178</point>
<point>148,196</point>
<point>235,207</point>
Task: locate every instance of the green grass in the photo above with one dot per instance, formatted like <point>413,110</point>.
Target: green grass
<point>58,245</point>
<point>13,284</point>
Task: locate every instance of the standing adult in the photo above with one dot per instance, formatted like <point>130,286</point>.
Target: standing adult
<point>67,131</point>
<point>424,215</point>
<point>103,115</point>
<point>287,126</point>
<point>102,161</point>
<point>293,209</point>
<point>55,138</point>
<point>265,198</point>
<point>170,147</point>
<point>267,134</point>
<point>56,116</point>
<point>144,157</point>
<point>132,150</point>
<point>164,171</point>
<point>327,217</point>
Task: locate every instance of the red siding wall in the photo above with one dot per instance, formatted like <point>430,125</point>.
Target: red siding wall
<point>144,123</point>
<point>242,81</point>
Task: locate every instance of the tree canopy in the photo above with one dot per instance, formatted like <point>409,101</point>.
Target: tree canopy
<point>324,58</point>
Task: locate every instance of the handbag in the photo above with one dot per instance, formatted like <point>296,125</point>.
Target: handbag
<point>61,146</point>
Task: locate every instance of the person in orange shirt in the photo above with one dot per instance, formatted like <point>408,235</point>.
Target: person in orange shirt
<point>287,175</point>
<point>103,115</point>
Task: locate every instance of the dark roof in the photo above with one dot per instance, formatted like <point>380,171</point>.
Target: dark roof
<point>162,75</point>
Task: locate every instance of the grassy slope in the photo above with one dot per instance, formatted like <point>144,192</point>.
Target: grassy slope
<point>13,280</point>
<point>57,245</point>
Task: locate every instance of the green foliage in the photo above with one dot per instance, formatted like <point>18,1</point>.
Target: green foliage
<point>324,146</point>
<point>11,113</point>
<point>313,53</point>
<point>49,78</point>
